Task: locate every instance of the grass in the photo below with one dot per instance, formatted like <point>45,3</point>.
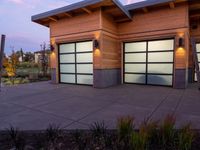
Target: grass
<point>22,76</point>
<point>98,137</point>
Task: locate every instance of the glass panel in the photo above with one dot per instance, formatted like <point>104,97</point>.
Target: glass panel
<point>160,79</point>
<point>137,68</point>
<point>84,46</point>
<point>198,57</point>
<point>198,47</point>
<point>86,57</point>
<point>195,75</point>
<point>67,78</point>
<point>136,57</point>
<point>85,79</point>
<point>67,68</point>
<point>160,68</point>
<point>135,47</point>
<point>160,57</point>
<point>160,45</point>
<point>67,48</point>
<point>84,68</point>
<point>135,78</point>
<point>67,58</point>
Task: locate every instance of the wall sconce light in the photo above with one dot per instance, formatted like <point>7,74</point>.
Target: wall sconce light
<point>181,42</point>
<point>96,44</point>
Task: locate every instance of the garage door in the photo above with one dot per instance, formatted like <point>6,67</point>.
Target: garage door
<point>76,63</point>
<point>149,62</point>
<point>198,54</point>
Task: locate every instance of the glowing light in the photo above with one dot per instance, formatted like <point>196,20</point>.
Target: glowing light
<point>53,41</point>
<point>97,53</point>
<point>97,35</point>
<point>181,34</point>
<point>180,52</point>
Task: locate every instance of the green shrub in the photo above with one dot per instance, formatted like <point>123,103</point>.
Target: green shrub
<point>79,139</point>
<point>167,131</point>
<point>24,65</point>
<point>16,138</point>
<point>98,129</point>
<point>52,135</point>
<point>139,141</point>
<point>185,138</point>
<point>125,129</point>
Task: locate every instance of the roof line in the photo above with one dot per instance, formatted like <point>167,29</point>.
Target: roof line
<point>145,3</point>
<point>78,5</point>
<point>121,6</point>
<point>67,8</point>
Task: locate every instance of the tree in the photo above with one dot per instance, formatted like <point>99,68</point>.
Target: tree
<point>28,57</point>
<point>11,66</point>
<point>44,59</point>
<point>20,54</point>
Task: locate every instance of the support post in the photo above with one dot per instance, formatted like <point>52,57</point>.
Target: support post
<point>2,45</point>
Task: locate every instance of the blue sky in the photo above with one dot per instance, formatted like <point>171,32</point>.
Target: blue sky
<point>15,22</point>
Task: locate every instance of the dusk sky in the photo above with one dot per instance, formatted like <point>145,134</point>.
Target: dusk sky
<point>15,22</point>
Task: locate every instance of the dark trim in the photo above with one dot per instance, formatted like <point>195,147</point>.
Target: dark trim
<point>75,52</point>
<point>75,63</point>
<point>148,84</point>
<point>76,73</point>
<point>83,63</point>
<point>147,47</point>
<point>159,51</point>
<point>147,63</point>
<point>194,72</point>
<point>149,73</point>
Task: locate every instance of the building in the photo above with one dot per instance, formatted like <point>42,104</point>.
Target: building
<point>104,43</point>
<point>38,56</point>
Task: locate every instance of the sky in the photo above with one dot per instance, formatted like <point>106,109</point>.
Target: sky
<point>15,22</point>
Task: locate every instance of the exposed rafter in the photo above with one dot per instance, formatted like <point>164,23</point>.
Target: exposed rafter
<point>68,15</point>
<point>172,5</point>
<point>53,19</point>
<point>87,10</point>
<point>145,10</point>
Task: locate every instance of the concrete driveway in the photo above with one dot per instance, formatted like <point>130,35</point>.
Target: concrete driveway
<point>35,106</point>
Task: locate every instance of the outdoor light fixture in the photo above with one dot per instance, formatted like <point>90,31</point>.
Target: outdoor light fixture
<point>96,44</point>
<point>52,48</point>
<point>181,42</point>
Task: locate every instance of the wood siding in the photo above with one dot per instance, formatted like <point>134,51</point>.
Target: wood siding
<point>155,24</point>
<point>76,25</point>
<point>158,24</point>
<point>156,20</point>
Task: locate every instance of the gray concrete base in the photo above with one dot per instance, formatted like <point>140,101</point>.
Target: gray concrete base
<point>180,79</point>
<point>106,77</point>
<point>53,75</point>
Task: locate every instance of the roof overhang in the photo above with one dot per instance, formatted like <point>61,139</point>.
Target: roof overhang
<point>84,5</point>
<point>147,3</point>
<point>194,7</point>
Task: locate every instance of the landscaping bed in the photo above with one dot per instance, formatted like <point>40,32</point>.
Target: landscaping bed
<point>150,136</point>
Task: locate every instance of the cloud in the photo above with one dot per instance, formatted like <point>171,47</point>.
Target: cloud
<point>16,1</point>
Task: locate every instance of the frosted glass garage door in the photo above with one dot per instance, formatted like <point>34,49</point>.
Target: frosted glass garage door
<point>76,63</point>
<point>198,55</point>
<point>149,62</point>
